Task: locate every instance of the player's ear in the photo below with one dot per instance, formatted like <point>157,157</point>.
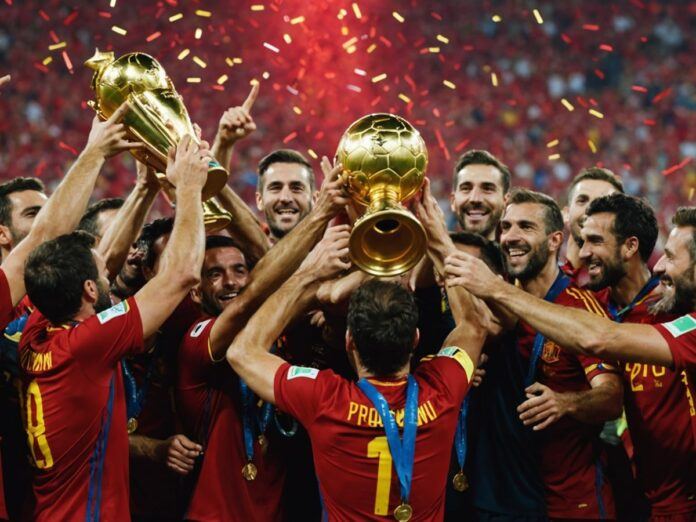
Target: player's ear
<point>90,291</point>
<point>555,241</point>
<point>630,247</point>
<point>416,338</point>
<point>196,294</point>
<point>5,236</point>
<point>259,201</point>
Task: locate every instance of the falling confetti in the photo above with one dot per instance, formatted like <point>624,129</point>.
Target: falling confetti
<point>537,16</point>
<point>674,168</point>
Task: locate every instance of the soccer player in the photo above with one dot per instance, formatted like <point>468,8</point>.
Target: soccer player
<point>568,397</point>
<point>72,386</point>
<point>99,216</point>
<point>588,185</point>
<point>357,465</point>
<point>479,191</point>
<point>217,409</point>
<point>20,201</point>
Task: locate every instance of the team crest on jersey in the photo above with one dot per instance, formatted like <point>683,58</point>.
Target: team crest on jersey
<point>198,329</point>
<point>682,325</point>
<point>115,311</point>
<point>302,371</point>
<point>551,352</point>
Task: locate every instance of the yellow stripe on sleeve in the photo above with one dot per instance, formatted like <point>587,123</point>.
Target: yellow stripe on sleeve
<point>461,357</point>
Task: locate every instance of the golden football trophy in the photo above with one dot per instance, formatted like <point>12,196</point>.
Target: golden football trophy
<point>157,115</point>
<point>384,160</point>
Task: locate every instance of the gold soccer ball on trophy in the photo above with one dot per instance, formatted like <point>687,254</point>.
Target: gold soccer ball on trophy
<point>384,160</point>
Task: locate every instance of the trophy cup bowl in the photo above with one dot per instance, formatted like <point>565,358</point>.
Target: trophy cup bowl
<point>384,160</point>
<point>157,116</point>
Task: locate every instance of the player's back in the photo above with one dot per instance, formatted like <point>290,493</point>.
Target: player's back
<point>74,415</point>
<point>356,474</point>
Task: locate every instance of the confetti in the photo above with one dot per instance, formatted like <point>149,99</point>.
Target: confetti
<point>360,72</point>
<point>553,157</point>
<point>433,49</point>
<point>176,17</point>
<point>193,80</point>
<point>538,17</point>
<point>350,42</point>
<point>47,60</point>
<point>271,47</point>
<point>287,38</point>
<point>494,79</point>
<point>449,84</point>
<point>297,20</point>
<point>659,96</point>
<point>290,137</point>
<point>312,154</point>
<point>153,36</point>
<point>496,18</point>
<point>592,146</point>
<point>204,14</point>
<point>257,7</point>
<point>551,144</point>
<point>596,113</point>
<point>356,11</point>
<point>639,88</point>
<point>197,35</point>
<point>398,17</point>
<point>691,193</point>
<point>183,54</point>
<point>371,48</point>
<point>297,110</point>
<point>590,27</point>
<point>442,39</point>
<point>57,46</point>
<point>200,63</point>
<point>674,168</point>
<point>112,3</point>
<point>567,104</point>
<point>118,30</point>
<point>379,78</point>
<point>67,147</point>
<point>606,47</point>
<point>222,79</point>
<point>404,98</point>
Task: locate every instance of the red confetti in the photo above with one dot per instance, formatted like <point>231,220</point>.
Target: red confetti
<point>43,15</point>
<point>566,38</point>
<point>590,27</point>
<point>153,36</point>
<point>460,146</point>
<point>606,47</point>
<point>104,14</point>
<point>67,61</point>
<point>67,147</point>
<point>436,16</point>
<point>54,37</point>
<point>599,74</point>
<point>639,88</point>
<point>649,122</point>
<point>676,167</point>
<point>41,67</point>
<point>659,96</point>
<point>290,137</point>
<point>70,18</point>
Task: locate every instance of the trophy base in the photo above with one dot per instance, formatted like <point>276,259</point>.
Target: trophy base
<point>387,242</point>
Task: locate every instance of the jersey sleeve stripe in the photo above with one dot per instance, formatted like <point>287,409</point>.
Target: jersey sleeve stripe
<point>461,357</point>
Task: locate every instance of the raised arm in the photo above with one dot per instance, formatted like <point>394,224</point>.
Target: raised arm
<point>235,124</point>
<point>278,264</point>
<point>576,330</point>
<point>124,229</point>
<point>180,266</point>
<point>63,210</point>
<point>249,352</point>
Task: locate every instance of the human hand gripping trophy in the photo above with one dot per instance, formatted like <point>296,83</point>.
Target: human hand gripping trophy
<point>384,160</point>
<point>156,117</point>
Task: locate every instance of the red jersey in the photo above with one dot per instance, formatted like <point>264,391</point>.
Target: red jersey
<point>75,413</point>
<point>210,406</point>
<point>351,454</point>
<point>680,335</point>
<point>6,314</point>
<point>571,465</point>
<point>660,411</point>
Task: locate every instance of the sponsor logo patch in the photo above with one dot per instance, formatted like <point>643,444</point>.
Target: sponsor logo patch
<point>680,326</point>
<point>302,371</point>
<point>115,311</point>
<point>198,329</point>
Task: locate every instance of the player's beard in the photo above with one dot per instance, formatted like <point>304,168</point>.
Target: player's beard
<point>486,227</point>
<point>681,298</point>
<point>537,261</point>
<point>103,298</point>
<point>279,232</point>
<point>612,273</point>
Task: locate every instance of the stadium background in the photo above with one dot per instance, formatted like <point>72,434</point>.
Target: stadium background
<point>549,87</point>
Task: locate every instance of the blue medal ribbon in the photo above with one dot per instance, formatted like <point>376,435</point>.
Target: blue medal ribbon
<point>460,444</point>
<point>617,315</point>
<point>402,451</point>
<point>559,285</point>
<point>135,397</point>
<point>253,419</point>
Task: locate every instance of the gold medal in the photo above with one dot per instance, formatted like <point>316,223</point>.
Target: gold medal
<point>132,425</point>
<point>249,471</point>
<point>460,482</point>
<point>263,441</point>
<point>403,512</point>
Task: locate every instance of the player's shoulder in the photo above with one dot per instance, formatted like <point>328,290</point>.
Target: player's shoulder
<point>578,297</point>
<point>446,357</point>
<point>683,325</point>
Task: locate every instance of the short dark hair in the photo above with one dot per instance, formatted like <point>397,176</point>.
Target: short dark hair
<point>686,217</point>
<point>632,217</point>
<point>88,222</point>
<point>149,235</point>
<point>482,157</point>
<point>284,156</point>
<point>15,185</point>
<point>553,218</point>
<point>490,250</point>
<point>55,274</point>
<point>596,173</point>
<point>382,318</point>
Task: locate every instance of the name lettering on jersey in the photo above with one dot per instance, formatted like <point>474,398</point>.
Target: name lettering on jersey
<point>680,326</point>
<point>637,371</point>
<point>35,361</point>
<point>302,371</point>
<point>198,329</point>
<point>362,415</point>
<point>460,356</point>
<point>115,311</point>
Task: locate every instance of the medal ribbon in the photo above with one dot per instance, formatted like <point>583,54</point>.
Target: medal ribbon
<point>253,418</point>
<point>402,451</point>
<point>617,315</point>
<point>135,398</point>
<point>559,285</point>
<point>460,444</point>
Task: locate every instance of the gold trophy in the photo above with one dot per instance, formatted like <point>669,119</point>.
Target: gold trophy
<point>384,160</point>
<point>157,115</point>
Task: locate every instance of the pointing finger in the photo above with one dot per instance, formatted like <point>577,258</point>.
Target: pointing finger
<point>249,102</point>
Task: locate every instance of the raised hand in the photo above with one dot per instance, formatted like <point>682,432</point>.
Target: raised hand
<point>430,214</point>
<point>465,270</point>
<point>108,137</point>
<point>330,256</point>
<point>187,164</point>
<point>236,123</point>
<point>332,196</point>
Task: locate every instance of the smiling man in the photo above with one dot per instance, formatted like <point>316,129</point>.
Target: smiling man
<point>479,190</point>
<point>20,202</point>
<point>286,190</point>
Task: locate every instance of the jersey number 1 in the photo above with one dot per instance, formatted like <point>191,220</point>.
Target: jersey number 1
<point>378,448</point>
<point>36,428</point>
